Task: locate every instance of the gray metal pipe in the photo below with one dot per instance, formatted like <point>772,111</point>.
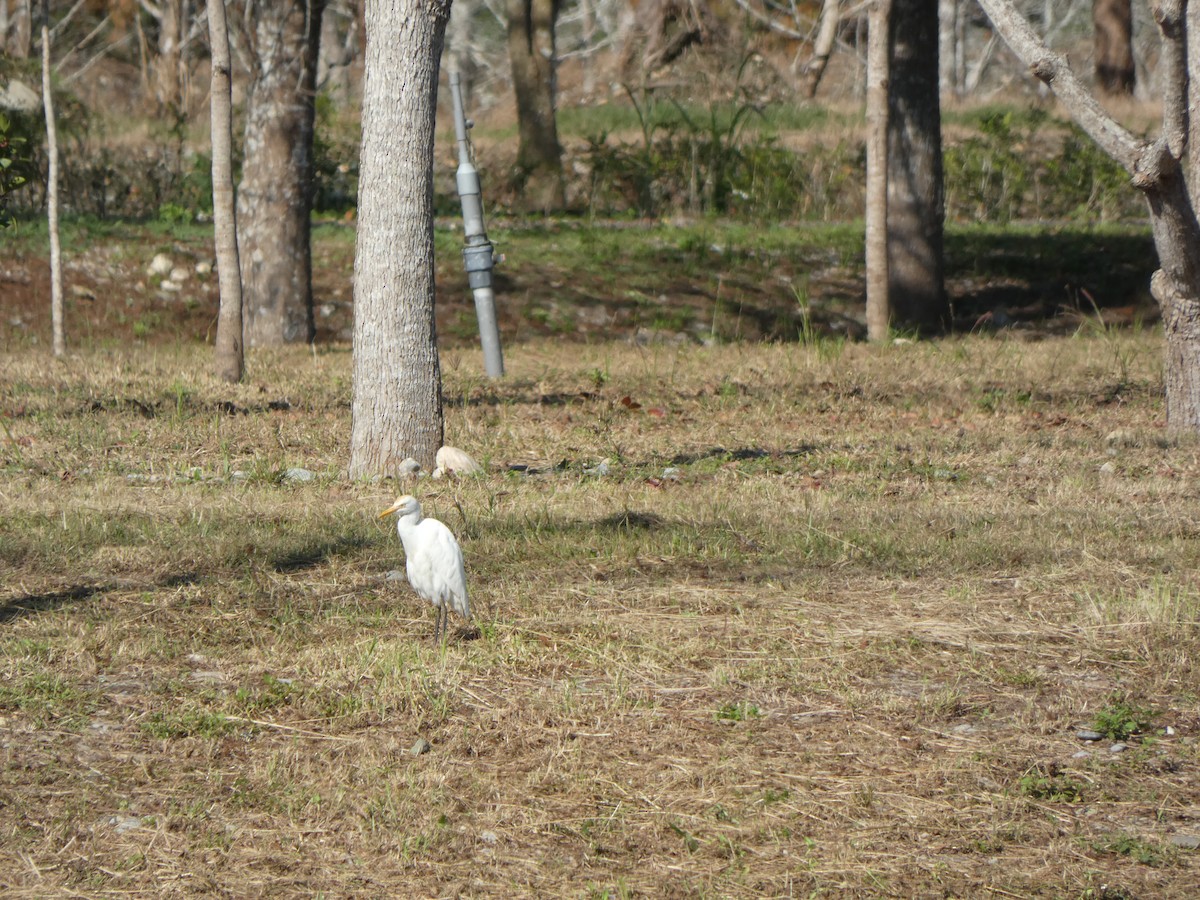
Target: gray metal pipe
<point>479,257</point>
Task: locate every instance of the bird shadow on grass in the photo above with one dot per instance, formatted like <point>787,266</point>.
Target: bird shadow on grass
<point>49,601</point>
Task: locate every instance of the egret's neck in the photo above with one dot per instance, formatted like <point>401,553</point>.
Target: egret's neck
<point>408,521</point>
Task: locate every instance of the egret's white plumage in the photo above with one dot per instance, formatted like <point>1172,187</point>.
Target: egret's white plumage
<point>434,561</point>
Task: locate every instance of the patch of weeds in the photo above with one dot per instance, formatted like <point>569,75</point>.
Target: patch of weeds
<point>1121,719</point>
<point>48,698</point>
<point>738,712</point>
<point>186,723</point>
<point>273,694</point>
<point>776,795</point>
<point>1135,848</point>
<point>689,840</point>
<point>1050,785</point>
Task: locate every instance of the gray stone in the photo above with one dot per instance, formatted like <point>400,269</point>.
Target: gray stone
<point>1108,468</point>
<point>1118,748</point>
<point>1186,841</point>
<point>420,747</point>
<point>1086,734</point>
<point>298,475</point>
<point>409,468</point>
<point>161,264</point>
<point>125,823</point>
<point>396,575</point>
<point>19,96</point>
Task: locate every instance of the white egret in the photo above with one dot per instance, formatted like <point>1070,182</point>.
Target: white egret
<point>434,562</point>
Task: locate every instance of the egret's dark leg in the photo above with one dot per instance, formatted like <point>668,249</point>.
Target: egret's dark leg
<point>437,624</point>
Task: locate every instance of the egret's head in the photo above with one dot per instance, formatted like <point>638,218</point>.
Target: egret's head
<point>405,505</point>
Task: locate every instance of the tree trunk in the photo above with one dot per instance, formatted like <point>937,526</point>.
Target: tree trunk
<point>229,357</point>
<point>916,206</point>
<point>1113,45</point>
<point>531,51</point>
<point>458,46</point>
<point>334,58</point>
<point>59,341</point>
<point>20,36</point>
<point>827,29</point>
<point>167,64</point>
<point>947,35</point>
<point>878,52</point>
<point>275,194</point>
<point>397,405</point>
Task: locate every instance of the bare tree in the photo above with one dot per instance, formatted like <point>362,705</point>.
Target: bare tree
<point>397,404</point>
<point>275,194</point>
<point>531,51</point>
<point>56,291</point>
<point>229,355</point>
<point>1157,169</point>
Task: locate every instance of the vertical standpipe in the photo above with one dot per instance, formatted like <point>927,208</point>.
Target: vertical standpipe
<point>478,258</point>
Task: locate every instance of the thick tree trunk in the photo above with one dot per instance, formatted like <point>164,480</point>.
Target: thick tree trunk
<point>916,205</point>
<point>1113,44</point>
<point>397,406</point>
<point>228,356</point>
<point>531,52</point>
<point>878,53</point>
<point>275,193</point>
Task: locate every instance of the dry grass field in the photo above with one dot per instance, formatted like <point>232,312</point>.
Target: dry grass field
<point>829,626</point>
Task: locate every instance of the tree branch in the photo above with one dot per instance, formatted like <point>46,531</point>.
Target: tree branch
<point>1053,69</point>
<point>1169,16</point>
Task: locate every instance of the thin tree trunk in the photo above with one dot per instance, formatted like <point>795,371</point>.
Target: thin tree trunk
<point>56,290</point>
<point>397,404</point>
<point>823,43</point>
<point>947,33</point>
<point>458,46</point>
<point>275,194</point>
<point>916,208</point>
<point>229,356</point>
<point>531,52</point>
<point>878,55</point>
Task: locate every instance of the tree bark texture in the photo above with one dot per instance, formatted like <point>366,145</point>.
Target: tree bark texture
<point>876,207</point>
<point>1112,40</point>
<point>1157,170</point>
<point>397,404</point>
<point>531,53</point>
<point>229,357</point>
<point>916,201</point>
<point>59,341</point>
<point>275,193</point>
